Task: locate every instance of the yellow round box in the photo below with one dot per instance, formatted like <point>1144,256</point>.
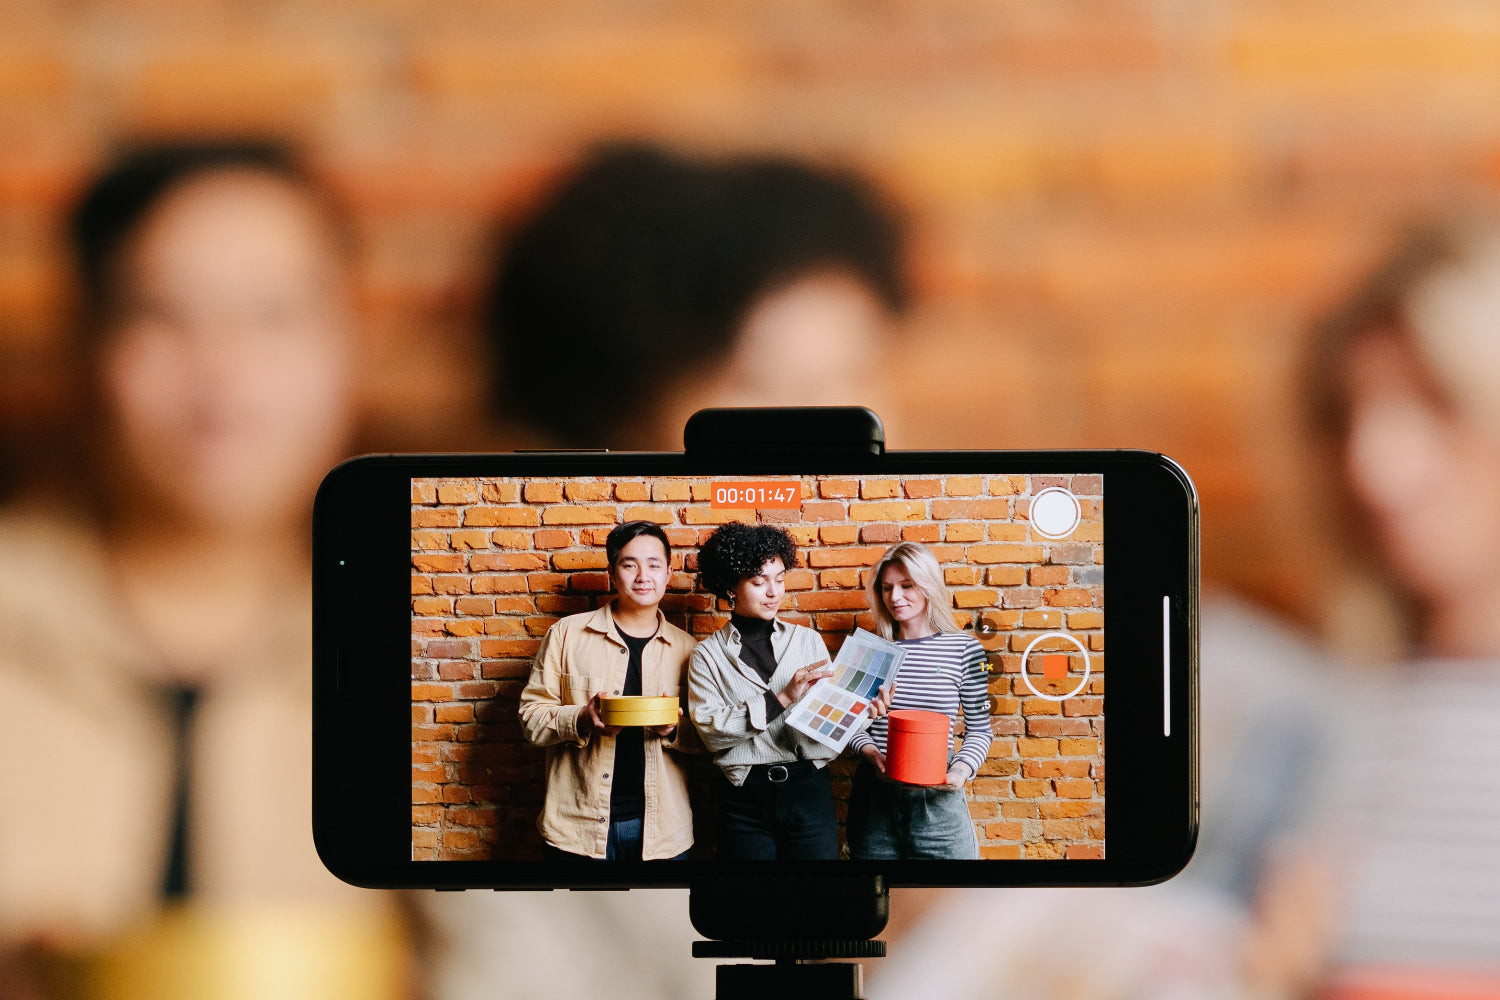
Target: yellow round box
<point>638,711</point>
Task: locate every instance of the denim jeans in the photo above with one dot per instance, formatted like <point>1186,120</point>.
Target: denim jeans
<point>890,821</point>
<point>624,844</point>
<point>793,820</point>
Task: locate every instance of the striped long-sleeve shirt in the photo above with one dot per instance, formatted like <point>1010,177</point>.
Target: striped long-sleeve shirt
<point>942,673</point>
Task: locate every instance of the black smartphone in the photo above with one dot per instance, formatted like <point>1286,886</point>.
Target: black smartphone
<point>478,619</point>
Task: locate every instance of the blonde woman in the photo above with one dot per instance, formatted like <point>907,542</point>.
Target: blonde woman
<point>942,672</point>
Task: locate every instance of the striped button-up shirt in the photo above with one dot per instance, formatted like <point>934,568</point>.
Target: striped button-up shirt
<point>727,700</point>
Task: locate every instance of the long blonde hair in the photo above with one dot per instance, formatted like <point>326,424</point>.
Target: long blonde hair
<point>922,566</point>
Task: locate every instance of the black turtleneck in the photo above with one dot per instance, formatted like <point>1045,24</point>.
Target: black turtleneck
<point>755,653</point>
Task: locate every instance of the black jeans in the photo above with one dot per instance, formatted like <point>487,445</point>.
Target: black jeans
<point>792,820</point>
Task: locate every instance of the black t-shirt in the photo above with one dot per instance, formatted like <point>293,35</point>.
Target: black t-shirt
<point>627,796</point>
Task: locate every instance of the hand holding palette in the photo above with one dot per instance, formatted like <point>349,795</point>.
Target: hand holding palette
<point>837,707</point>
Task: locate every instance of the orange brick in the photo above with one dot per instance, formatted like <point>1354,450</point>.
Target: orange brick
<point>570,514</point>
<point>963,532</point>
<point>423,493</point>
<point>885,534</point>
<point>431,606</point>
<point>553,538</point>
<point>1042,620</point>
<point>500,492</point>
<point>1069,809</point>
<point>802,534</point>
<point>1005,576</point>
<point>879,489</point>
<point>1023,789</point>
<point>1068,598</point>
<point>429,540</point>
<point>865,555</point>
<point>482,562</point>
<point>632,492</point>
<point>544,492</point>
<point>469,539</point>
<point>922,489</point>
<point>1000,852</point>
<point>825,600</point>
<point>1055,768</point>
<point>1074,788</point>
<point>823,511</point>
<point>1003,830</point>
<point>899,510</point>
<point>588,492</point>
<point>445,517</point>
<point>441,563</point>
<point>457,493</point>
<point>431,692</point>
<point>1085,852</point>
<point>474,606</point>
<point>1018,810</point>
<point>975,598</point>
<point>513,517</point>
<point>511,539</point>
<point>969,510</point>
<point>1085,619</point>
<point>960,576</point>
<point>1007,485</point>
<point>925,533</point>
<point>838,534</point>
<point>656,515</point>
<point>1036,747</point>
<point>498,584</point>
<point>839,578</point>
<point>671,490</point>
<point>1003,532</point>
<point>838,489</point>
<point>1042,851</point>
<point>1049,576</point>
<point>593,559</point>
<point>963,486</point>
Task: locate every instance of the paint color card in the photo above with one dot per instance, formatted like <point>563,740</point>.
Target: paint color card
<point>837,707</point>
<point>1055,666</point>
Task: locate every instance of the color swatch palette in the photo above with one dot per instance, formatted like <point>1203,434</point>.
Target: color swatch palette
<point>836,707</point>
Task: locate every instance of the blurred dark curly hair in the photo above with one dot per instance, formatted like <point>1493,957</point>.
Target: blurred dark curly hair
<point>736,552</point>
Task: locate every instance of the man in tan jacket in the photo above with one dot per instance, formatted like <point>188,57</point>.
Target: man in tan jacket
<point>614,793</point>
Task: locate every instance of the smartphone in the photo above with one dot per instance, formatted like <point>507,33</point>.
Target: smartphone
<point>471,614</point>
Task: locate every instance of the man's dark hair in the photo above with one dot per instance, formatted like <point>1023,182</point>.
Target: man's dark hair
<point>737,551</point>
<point>642,264</point>
<point>628,532</point>
<point>120,199</point>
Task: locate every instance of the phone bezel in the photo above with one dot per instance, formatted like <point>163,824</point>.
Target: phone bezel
<point>362,659</point>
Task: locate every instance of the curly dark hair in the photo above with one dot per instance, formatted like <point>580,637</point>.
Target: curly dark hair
<point>736,552</point>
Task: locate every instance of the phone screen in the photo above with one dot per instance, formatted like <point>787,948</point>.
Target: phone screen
<point>981,596</point>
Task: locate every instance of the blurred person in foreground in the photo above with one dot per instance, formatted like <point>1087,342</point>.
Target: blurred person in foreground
<point>155,694</point>
<point>1408,825</point>
<point>1349,841</point>
<point>648,284</point>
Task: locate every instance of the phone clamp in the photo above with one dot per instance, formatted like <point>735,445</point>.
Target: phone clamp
<point>798,924</point>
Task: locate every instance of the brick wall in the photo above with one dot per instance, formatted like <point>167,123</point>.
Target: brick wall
<point>496,562</point>
<point>1125,210</point>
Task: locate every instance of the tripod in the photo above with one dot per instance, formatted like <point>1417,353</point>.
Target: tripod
<point>796,923</point>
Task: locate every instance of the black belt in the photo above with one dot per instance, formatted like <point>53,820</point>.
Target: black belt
<point>780,774</point>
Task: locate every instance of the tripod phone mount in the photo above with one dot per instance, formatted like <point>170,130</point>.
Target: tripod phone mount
<point>798,923</point>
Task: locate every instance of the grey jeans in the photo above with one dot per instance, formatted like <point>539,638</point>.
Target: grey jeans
<point>890,821</point>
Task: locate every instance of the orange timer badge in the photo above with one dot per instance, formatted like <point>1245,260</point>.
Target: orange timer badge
<point>767,494</point>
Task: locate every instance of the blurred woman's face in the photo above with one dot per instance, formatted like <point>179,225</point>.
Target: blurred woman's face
<point>224,369</point>
<point>1428,478</point>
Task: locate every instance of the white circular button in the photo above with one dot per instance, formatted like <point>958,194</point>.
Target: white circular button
<point>1054,512</point>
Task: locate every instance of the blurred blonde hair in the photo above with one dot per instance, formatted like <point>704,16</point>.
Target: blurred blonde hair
<point>922,566</point>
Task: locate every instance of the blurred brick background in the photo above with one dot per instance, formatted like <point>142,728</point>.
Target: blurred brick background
<point>1125,210</point>
<point>496,562</point>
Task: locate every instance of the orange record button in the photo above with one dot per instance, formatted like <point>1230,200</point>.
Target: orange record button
<point>772,494</point>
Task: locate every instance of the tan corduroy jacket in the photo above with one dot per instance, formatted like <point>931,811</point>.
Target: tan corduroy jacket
<point>580,655</point>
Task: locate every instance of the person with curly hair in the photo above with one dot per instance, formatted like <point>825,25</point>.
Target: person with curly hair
<point>776,800</point>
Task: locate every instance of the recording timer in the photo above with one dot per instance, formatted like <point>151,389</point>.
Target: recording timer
<point>778,494</point>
